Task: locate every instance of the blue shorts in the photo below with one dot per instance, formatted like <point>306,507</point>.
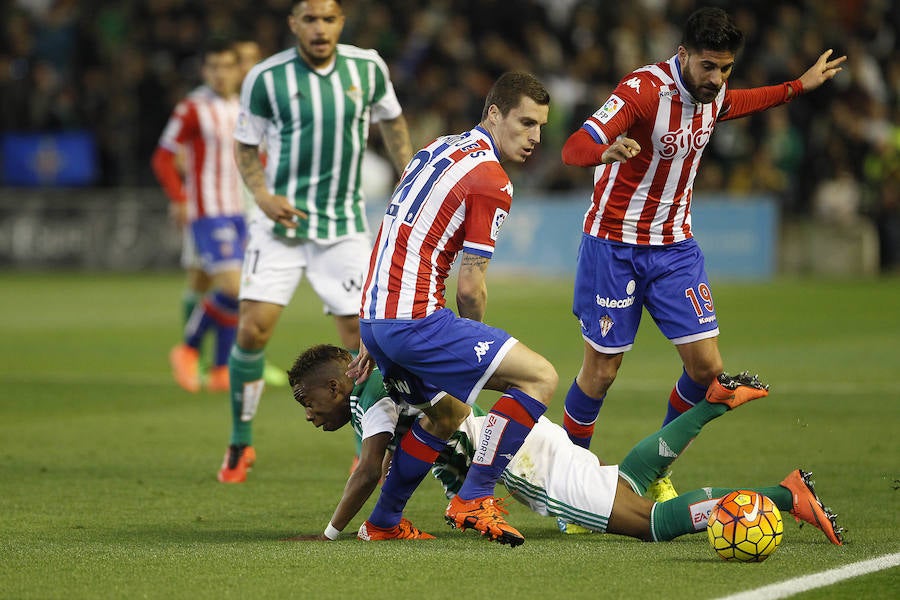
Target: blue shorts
<point>614,282</point>
<point>220,242</point>
<point>421,360</point>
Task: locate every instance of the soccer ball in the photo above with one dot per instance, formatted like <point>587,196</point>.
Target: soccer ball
<point>745,526</point>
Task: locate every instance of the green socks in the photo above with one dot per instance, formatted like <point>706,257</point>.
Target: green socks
<point>245,369</point>
<point>689,512</point>
<point>652,456</point>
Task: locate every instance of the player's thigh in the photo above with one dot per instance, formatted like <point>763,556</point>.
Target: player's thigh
<point>337,271</point>
<point>679,296</point>
<point>273,266</point>
<point>450,354</point>
<point>525,369</point>
<point>608,295</point>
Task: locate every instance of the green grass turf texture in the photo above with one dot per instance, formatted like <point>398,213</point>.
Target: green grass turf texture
<point>107,469</point>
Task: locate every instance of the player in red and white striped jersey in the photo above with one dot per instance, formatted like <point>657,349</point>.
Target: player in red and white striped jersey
<point>207,202</point>
<point>454,196</point>
<point>637,249</point>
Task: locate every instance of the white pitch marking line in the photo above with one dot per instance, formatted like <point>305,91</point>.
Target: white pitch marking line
<point>817,580</point>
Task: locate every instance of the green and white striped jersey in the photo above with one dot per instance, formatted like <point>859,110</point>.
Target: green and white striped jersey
<point>372,411</point>
<point>315,127</point>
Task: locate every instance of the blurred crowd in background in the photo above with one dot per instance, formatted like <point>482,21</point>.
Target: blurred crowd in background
<point>117,69</point>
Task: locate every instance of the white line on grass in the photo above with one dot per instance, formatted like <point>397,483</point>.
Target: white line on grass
<point>817,580</point>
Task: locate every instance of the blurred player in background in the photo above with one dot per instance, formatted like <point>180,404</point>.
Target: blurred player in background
<point>206,203</point>
<point>454,197</point>
<point>549,473</point>
<point>311,106</point>
<point>637,248</point>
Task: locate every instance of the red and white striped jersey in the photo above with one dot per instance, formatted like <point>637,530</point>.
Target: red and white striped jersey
<point>203,124</point>
<point>647,199</point>
<point>453,196</point>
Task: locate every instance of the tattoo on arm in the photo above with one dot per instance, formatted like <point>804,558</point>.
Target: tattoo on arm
<point>250,167</point>
<point>396,139</point>
<point>474,261</point>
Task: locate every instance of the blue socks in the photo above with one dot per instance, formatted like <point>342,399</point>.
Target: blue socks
<point>505,428</point>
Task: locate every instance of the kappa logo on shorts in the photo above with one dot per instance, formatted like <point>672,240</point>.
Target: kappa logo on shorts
<point>481,348</point>
<point>606,323</point>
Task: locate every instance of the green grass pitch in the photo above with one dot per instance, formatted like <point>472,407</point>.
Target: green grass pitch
<point>107,469</point>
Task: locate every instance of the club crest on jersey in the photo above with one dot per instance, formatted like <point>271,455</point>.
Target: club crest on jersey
<point>499,218</point>
<point>609,109</point>
<point>354,93</point>
<point>606,323</point>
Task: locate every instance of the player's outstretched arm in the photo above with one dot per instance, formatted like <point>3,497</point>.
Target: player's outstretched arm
<point>360,485</point>
<point>823,70</point>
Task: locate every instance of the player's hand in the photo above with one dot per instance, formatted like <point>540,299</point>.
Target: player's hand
<point>361,366</point>
<point>620,151</point>
<point>280,210</point>
<point>307,538</point>
<point>822,71</point>
<point>178,214</point>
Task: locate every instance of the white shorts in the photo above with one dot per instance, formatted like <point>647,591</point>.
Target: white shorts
<point>553,476</point>
<point>274,267</point>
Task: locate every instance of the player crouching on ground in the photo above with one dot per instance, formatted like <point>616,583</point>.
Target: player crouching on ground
<point>604,498</point>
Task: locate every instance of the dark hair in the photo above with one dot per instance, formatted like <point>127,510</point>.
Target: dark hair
<point>712,29</point>
<point>218,45</point>
<point>509,88</point>
<point>315,361</point>
<point>296,2</point>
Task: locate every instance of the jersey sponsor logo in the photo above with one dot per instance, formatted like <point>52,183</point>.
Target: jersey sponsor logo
<point>683,141</point>
<point>491,433</point>
<point>700,512</point>
<point>635,84</point>
<point>481,348</point>
<point>499,217</point>
<point>606,112</point>
<point>666,92</point>
<point>606,302</point>
<point>606,323</point>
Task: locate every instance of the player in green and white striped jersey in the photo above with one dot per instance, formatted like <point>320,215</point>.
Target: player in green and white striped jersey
<point>311,107</point>
<point>319,382</point>
<point>550,474</point>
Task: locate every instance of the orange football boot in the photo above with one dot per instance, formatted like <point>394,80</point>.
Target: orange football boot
<point>737,390</point>
<point>485,515</point>
<point>807,506</point>
<point>185,363</point>
<point>238,460</point>
<point>404,531</point>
